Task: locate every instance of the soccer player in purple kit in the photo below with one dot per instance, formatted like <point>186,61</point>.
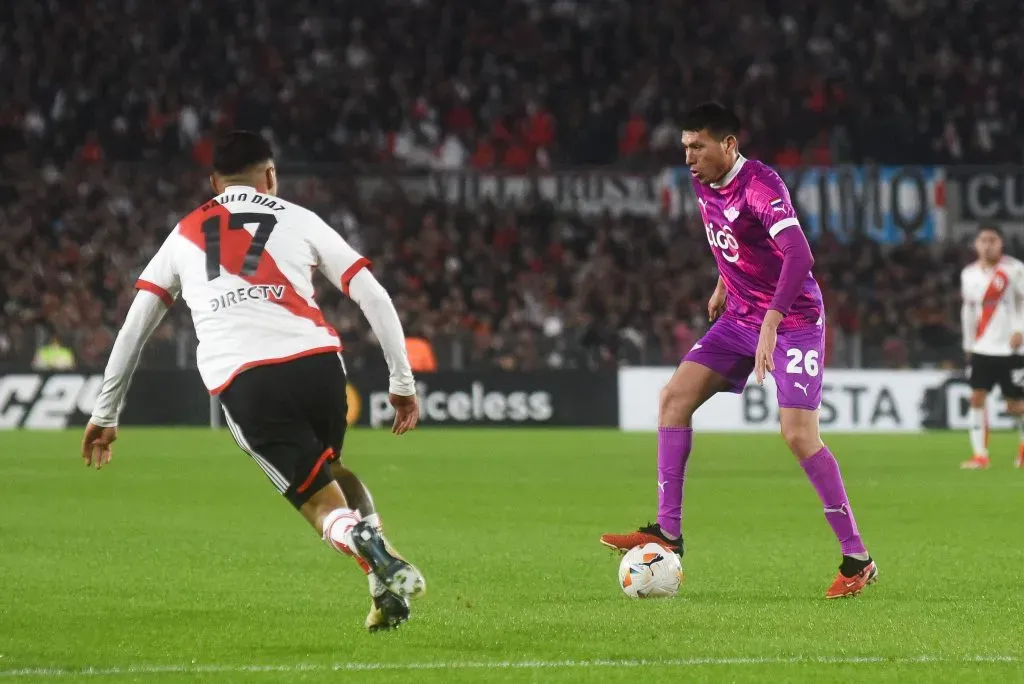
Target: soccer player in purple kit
<point>768,317</point>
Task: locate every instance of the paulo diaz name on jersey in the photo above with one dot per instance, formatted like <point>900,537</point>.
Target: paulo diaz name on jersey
<point>244,263</point>
<point>742,216</point>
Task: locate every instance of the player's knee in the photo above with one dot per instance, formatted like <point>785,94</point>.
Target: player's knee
<point>978,398</point>
<point>677,404</point>
<point>802,442</point>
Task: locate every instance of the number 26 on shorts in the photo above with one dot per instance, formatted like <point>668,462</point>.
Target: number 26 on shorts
<point>801,363</point>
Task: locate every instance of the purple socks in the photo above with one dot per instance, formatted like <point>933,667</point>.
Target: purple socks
<point>823,472</point>
<point>674,445</point>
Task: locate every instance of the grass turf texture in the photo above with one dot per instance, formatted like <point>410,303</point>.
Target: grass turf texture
<point>181,554</point>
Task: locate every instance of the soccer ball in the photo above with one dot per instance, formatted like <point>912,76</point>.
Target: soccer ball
<point>650,570</point>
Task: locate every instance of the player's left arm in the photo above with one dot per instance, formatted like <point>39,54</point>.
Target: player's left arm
<point>1016,308</point>
<point>157,287</point>
<point>769,200</point>
<point>347,269</point>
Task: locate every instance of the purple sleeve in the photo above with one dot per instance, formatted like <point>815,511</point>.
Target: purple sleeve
<point>796,264</point>
<point>768,199</point>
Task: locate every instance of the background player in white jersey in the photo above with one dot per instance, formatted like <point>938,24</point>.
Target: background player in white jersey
<point>992,318</point>
<point>768,318</point>
<point>244,262</point>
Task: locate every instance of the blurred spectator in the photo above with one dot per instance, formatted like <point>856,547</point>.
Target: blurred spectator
<point>421,354</point>
<point>518,289</point>
<point>515,83</point>
<point>53,356</point>
<point>109,110</point>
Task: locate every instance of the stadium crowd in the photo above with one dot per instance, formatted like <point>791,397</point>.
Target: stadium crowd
<point>110,106</point>
<point>522,289</point>
<point>511,83</point>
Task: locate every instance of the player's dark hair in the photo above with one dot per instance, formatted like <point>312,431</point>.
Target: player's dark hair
<point>990,227</point>
<point>238,151</point>
<point>717,119</point>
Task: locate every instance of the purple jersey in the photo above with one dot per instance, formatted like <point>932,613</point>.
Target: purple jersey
<point>742,215</point>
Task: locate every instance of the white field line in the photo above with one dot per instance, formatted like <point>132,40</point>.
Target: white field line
<point>495,665</point>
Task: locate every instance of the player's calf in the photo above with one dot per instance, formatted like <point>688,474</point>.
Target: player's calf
<point>800,430</point>
<point>357,494</point>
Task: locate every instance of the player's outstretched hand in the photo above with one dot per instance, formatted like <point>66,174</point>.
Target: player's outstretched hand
<point>407,413</point>
<point>96,449</point>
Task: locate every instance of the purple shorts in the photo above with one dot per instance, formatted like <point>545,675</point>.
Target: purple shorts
<point>728,349</point>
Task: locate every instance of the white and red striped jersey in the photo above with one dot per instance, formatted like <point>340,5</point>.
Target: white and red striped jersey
<point>244,263</point>
<point>993,297</point>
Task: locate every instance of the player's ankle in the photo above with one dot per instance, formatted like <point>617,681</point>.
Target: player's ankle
<point>376,586</point>
<point>852,566</point>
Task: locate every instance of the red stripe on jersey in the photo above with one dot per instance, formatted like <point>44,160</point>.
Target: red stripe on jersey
<point>269,362</point>
<point>233,246</point>
<point>991,300</point>
<point>160,292</point>
<point>351,272</point>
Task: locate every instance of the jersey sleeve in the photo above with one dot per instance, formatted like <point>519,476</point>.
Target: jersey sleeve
<point>768,198</point>
<point>1017,299</point>
<point>335,257</point>
<point>143,317</point>
<point>161,275</point>
<point>968,314</point>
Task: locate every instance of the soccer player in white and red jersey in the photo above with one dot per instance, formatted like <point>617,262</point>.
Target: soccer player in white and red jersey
<point>244,263</point>
<point>768,318</point>
<point>992,318</point>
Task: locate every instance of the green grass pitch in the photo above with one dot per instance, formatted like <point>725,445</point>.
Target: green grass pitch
<point>179,562</point>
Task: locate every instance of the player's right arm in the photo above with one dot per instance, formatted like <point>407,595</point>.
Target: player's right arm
<point>968,316</point>
<point>347,270</point>
<point>157,287</point>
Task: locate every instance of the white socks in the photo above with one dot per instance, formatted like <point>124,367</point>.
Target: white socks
<point>338,533</point>
<point>374,519</point>
<point>977,431</point>
<point>338,529</point>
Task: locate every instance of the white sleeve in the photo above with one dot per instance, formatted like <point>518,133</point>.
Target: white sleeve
<point>160,275</point>
<point>1017,300</point>
<point>968,316</point>
<point>145,313</point>
<point>376,304</point>
<point>335,257</point>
